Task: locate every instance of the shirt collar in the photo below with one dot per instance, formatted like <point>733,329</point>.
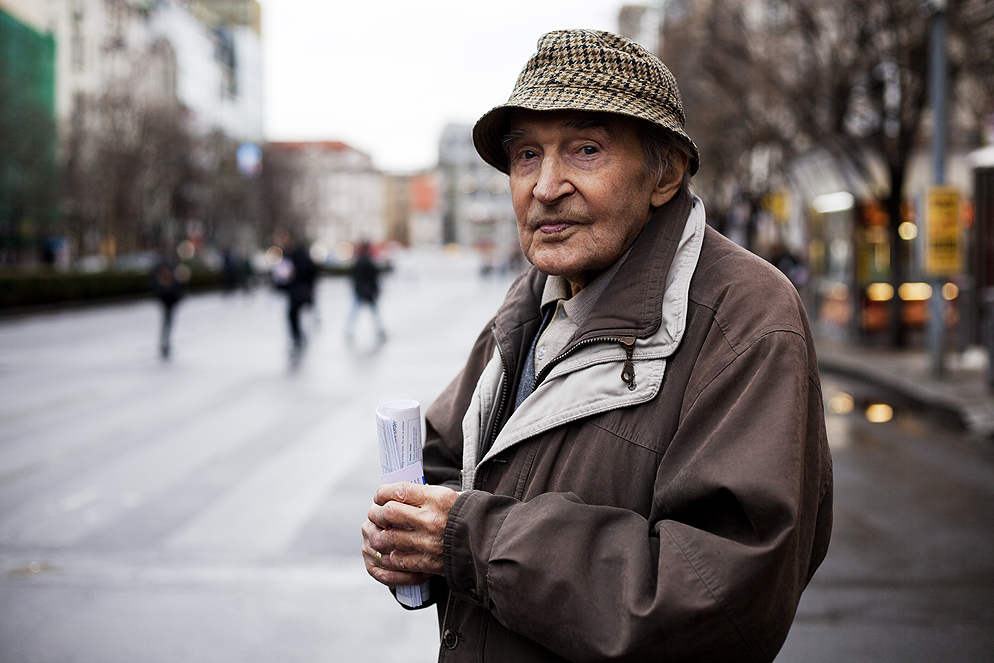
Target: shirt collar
<point>578,306</point>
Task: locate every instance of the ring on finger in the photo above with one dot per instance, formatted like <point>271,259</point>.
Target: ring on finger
<point>379,559</point>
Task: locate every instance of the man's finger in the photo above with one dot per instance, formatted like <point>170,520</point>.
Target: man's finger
<point>385,569</point>
<point>408,540</point>
<point>392,514</point>
<point>394,578</point>
<point>403,492</point>
<point>398,514</point>
<point>414,507</point>
<point>417,562</point>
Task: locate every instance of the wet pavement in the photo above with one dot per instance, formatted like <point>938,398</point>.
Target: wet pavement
<point>208,508</point>
<point>909,575</point>
<point>961,391</point>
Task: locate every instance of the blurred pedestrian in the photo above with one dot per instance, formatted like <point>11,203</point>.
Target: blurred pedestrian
<point>296,274</point>
<point>167,286</point>
<point>366,290</point>
<point>632,464</point>
<point>234,271</point>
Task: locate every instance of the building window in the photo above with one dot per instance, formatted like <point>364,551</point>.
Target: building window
<point>116,19</point>
<point>78,109</point>
<point>77,38</point>
<point>224,53</point>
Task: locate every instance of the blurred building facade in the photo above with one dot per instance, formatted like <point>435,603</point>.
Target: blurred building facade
<point>28,172</point>
<point>425,208</point>
<point>413,213</point>
<point>203,54</point>
<point>149,103</point>
<point>397,208</point>
<point>335,194</point>
<point>476,198</point>
<point>218,48</point>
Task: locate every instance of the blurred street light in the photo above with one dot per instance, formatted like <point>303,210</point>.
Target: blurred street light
<point>907,230</point>
<point>879,413</point>
<point>914,292</point>
<point>186,250</point>
<point>274,255</point>
<point>833,202</point>
<point>344,251</point>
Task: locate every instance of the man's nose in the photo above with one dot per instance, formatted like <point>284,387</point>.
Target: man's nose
<point>552,182</point>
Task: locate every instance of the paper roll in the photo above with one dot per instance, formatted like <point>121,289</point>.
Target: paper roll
<point>398,427</point>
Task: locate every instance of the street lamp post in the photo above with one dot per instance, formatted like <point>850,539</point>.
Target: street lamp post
<point>937,91</point>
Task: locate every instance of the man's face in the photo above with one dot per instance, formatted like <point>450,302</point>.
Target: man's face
<point>580,192</point>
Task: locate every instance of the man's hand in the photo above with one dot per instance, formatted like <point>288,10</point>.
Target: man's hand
<point>406,524</point>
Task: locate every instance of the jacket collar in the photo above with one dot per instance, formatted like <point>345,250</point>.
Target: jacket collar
<point>636,292</point>
<point>647,300</point>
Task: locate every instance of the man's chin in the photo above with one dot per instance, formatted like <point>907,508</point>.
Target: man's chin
<point>565,269</point>
<point>552,265</point>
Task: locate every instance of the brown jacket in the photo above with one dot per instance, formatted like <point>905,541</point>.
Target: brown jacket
<point>673,517</point>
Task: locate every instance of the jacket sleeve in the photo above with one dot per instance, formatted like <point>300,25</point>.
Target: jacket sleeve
<point>740,519</point>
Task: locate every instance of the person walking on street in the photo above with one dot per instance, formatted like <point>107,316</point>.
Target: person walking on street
<point>366,290</point>
<point>632,465</point>
<point>296,274</point>
<point>167,286</point>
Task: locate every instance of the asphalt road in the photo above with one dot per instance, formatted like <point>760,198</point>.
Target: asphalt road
<point>909,575</point>
<point>208,508</point>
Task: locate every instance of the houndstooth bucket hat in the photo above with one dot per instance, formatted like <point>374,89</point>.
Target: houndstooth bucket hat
<point>588,70</point>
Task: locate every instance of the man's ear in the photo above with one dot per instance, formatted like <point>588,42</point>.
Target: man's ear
<point>666,189</point>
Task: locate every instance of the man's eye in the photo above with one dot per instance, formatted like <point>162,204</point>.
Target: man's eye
<point>528,154</point>
<point>588,150</point>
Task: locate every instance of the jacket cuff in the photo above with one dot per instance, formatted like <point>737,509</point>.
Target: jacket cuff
<point>474,522</point>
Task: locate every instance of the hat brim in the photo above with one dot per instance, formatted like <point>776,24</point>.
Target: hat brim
<point>490,130</point>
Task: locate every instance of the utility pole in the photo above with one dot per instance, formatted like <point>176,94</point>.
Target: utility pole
<point>937,91</point>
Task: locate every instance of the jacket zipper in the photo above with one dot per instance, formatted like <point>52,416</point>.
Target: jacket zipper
<point>492,431</point>
<point>627,372</point>
<point>627,376</point>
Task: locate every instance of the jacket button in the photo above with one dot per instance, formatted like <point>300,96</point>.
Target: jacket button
<point>473,596</point>
<point>450,639</point>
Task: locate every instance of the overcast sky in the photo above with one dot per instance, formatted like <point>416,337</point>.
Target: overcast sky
<point>385,76</point>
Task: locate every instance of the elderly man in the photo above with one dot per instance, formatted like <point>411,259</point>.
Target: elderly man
<point>632,465</point>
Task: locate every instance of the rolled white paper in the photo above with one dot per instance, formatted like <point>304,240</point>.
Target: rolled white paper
<point>398,427</point>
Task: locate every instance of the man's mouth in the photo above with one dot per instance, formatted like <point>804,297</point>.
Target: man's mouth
<point>553,227</point>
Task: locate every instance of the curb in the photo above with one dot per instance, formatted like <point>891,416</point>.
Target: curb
<point>976,415</point>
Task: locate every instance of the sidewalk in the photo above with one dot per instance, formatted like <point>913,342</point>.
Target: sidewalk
<point>962,391</point>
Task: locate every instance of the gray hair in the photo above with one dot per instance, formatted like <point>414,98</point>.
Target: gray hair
<point>662,154</point>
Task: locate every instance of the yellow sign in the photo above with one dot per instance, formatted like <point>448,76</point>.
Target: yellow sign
<point>776,204</point>
<point>943,245</point>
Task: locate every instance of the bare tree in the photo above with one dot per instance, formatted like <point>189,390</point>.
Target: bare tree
<point>228,202</point>
<point>279,185</point>
<point>124,164</point>
<point>850,76</point>
<point>135,178</point>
